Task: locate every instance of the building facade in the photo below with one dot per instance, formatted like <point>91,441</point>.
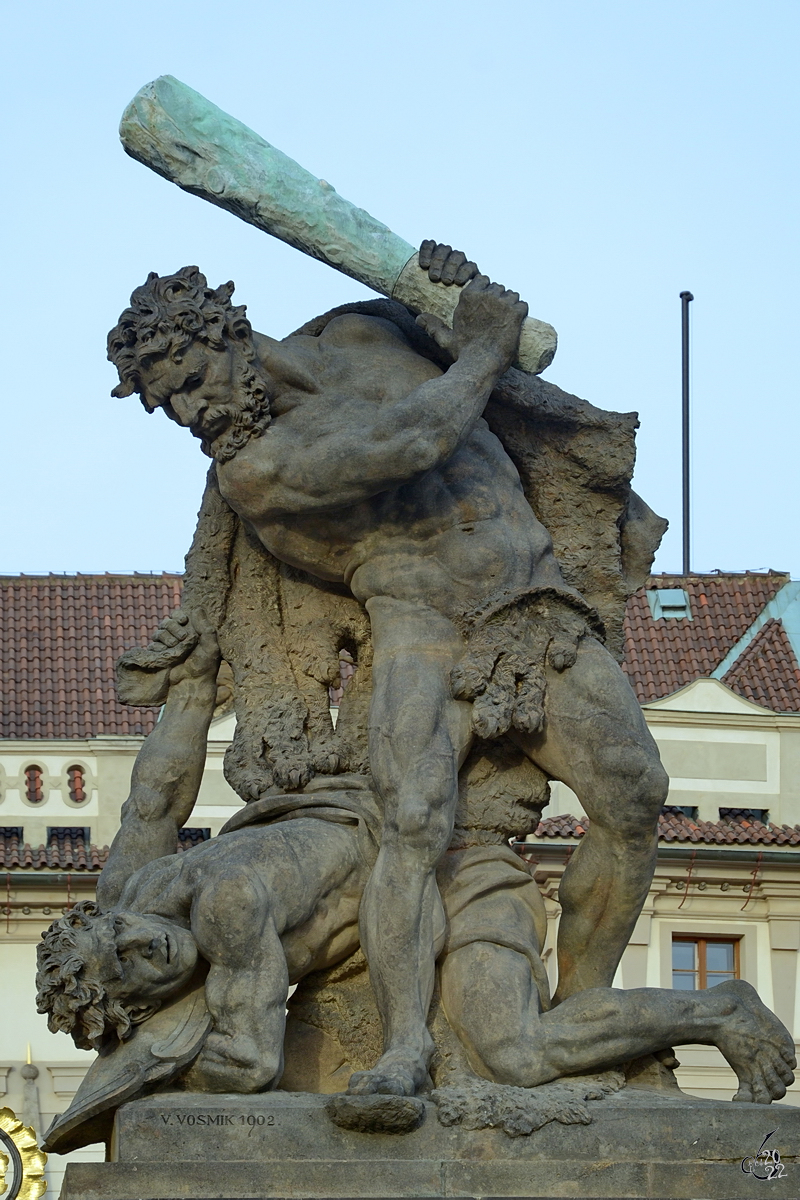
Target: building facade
<point>714,662</point>
<point>712,659</point>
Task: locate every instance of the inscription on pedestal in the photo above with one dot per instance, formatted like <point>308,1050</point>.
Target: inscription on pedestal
<point>251,1119</point>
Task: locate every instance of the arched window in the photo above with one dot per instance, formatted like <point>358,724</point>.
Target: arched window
<point>34,790</point>
<point>77,784</point>
<point>347,669</point>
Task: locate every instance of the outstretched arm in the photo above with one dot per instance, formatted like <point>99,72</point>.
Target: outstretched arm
<point>349,452</point>
<point>169,767</point>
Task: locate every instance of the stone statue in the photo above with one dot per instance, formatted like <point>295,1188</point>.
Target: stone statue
<point>399,514</point>
<point>358,460</point>
<point>179,974</point>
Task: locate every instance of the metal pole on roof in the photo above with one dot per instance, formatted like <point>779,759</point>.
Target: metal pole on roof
<point>686,298</point>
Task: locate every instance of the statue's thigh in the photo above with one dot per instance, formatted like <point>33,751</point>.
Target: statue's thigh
<point>492,1004</point>
<point>412,710</point>
<point>595,738</point>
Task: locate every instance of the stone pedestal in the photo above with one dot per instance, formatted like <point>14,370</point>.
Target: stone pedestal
<point>640,1143</point>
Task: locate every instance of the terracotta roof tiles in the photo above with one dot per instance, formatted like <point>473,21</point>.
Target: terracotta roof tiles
<point>66,850</point>
<point>60,636</point>
<point>664,655</point>
<point>766,672</point>
<point>678,827</point>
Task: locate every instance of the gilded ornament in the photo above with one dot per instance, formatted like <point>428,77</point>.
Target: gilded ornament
<point>21,1160</point>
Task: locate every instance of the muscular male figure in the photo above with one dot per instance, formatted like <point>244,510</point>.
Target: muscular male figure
<point>264,905</point>
<point>360,461</point>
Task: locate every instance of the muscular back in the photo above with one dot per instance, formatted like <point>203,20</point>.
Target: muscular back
<point>252,880</point>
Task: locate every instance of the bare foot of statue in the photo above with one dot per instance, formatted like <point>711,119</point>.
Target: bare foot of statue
<point>398,1072</point>
<point>755,1043</point>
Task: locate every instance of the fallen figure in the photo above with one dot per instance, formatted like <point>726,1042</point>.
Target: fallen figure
<point>227,927</point>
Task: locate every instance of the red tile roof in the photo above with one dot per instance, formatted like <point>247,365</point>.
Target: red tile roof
<point>664,655</point>
<point>66,850</point>
<point>766,672</point>
<point>60,636</point>
<point>677,827</point>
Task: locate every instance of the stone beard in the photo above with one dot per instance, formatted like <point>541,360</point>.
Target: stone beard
<point>248,414</point>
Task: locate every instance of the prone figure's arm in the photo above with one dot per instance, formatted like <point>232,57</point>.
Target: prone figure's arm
<point>169,767</point>
<point>247,984</point>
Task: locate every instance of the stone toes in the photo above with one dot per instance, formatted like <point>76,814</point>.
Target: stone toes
<point>761,1092</point>
<point>772,1082</point>
<point>393,1087</point>
<point>361,1084</point>
<point>744,1094</point>
<point>785,1071</point>
<point>367,1083</point>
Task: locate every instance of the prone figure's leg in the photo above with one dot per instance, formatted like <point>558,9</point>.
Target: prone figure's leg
<point>496,997</point>
<point>492,1002</point>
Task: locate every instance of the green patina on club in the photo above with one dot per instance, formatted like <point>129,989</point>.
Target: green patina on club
<point>177,132</point>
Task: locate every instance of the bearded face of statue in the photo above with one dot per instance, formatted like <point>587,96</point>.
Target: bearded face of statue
<point>216,392</point>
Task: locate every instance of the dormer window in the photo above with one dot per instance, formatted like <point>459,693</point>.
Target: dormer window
<point>684,810</point>
<point>669,603</point>
<point>739,815</point>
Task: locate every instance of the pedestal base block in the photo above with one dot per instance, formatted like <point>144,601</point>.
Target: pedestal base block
<point>640,1144</point>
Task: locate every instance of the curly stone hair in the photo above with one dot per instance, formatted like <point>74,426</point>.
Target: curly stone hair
<point>75,1002</point>
<point>166,315</point>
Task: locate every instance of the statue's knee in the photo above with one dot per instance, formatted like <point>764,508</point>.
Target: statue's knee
<point>421,827</point>
<point>642,800</point>
<point>657,785</point>
<point>514,1062</point>
<point>652,788</point>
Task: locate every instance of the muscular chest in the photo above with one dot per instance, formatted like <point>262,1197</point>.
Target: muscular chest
<point>478,483</point>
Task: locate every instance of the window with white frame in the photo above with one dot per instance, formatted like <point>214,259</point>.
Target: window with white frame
<point>700,962</point>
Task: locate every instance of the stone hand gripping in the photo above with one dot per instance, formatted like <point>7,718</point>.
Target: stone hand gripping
<point>183,647</point>
<point>487,317</point>
<point>185,138</point>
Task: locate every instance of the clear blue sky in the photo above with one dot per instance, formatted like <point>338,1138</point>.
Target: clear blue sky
<point>598,157</point>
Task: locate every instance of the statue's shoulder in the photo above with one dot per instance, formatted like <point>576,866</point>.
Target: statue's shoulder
<point>385,319</point>
<point>151,880</point>
<point>349,329</point>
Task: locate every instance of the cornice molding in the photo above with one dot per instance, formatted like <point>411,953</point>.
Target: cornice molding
<point>666,716</point>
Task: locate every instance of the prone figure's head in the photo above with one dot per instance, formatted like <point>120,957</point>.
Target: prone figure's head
<point>100,974</point>
<point>185,348</point>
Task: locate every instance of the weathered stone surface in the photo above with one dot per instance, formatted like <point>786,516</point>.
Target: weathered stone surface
<point>376,1113</point>
<point>381,496</point>
<point>519,1112</point>
<point>364,476</point>
<point>178,133</point>
<point>638,1145</point>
